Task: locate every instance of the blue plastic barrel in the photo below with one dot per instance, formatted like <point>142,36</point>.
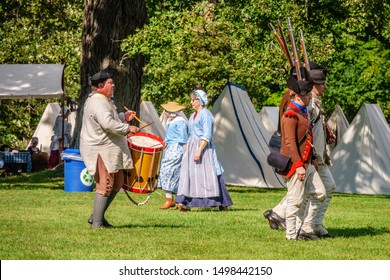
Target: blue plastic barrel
<point>76,175</point>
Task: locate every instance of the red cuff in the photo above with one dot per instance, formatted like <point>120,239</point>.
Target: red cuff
<point>294,167</point>
<point>297,164</point>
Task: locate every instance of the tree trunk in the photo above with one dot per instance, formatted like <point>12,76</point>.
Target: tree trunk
<point>106,24</point>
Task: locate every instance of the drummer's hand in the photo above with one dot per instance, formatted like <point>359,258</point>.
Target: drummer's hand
<point>129,115</point>
<point>134,129</point>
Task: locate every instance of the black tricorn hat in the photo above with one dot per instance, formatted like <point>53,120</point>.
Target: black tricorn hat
<point>103,75</point>
<point>302,86</point>
<point>317,73</point>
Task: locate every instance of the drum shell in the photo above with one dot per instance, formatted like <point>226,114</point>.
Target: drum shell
<point>146,161</point>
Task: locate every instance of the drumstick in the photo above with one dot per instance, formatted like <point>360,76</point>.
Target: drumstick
<point>145,125</point>
<point>135,117</point>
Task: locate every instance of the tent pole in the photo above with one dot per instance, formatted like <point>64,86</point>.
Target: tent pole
<point>63,124</point>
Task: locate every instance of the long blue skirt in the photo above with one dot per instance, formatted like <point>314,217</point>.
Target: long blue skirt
<point>223,199</point>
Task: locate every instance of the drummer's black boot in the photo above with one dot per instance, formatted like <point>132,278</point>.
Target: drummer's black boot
<point>99,208</point>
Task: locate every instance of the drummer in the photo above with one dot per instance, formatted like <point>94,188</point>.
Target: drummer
<point>176,137</point>
<point>103,143</point>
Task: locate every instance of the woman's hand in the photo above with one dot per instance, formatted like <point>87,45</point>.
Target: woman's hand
<point>197,155</point>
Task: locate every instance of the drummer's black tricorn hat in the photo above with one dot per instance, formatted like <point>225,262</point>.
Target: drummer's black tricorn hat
<point>103,75</point>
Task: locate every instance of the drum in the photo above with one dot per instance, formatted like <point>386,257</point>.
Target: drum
<point>146,151</point>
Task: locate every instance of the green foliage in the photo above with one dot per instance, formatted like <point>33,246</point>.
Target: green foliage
<point>18,119</point>
<point>202,45</point>
<point>191,43</point>
<point>361,75</point>
<point>38,32</point>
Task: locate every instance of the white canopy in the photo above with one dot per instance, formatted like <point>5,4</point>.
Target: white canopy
<point>361,161</point>
<point>31,81</point>
<point>241,141</point>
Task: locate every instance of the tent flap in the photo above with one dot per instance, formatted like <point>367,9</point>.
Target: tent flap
<point>241,141</point>
<point>361,160</point>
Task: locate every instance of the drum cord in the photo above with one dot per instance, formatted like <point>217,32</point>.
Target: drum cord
<point>135,202</point>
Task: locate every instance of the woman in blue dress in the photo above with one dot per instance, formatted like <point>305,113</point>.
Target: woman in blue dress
<point>201,183</point>
<point>176,137</point>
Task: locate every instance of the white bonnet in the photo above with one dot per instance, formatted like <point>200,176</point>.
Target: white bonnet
<point>202,95</point>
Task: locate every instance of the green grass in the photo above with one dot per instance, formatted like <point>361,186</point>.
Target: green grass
<point>41,221</point>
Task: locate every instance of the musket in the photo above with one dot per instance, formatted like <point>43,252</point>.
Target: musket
<point>285,44</point>
<point>303,47</point>
<point>281,43</point>
<point>297,63</point>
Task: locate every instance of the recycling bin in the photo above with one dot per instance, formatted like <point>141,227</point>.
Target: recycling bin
<point>76,176</point>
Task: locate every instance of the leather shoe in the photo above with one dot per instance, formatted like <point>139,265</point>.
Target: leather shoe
<point>272,224</point>
<point>302,235</point>
<point>279,220</point>
<point>322,232</point>
<point>223,208</point>
<point>326,236</point>
<point>169,202</point>
<point>182,208</point>
<point>274,220</point>
<point>99,226</point>
<point>267,213</point>
<point>105,222</point>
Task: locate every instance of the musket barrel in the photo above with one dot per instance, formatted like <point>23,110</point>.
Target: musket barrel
<point>287,51</point>
<point>303,47</point>
<point>295,52</point>
<point>279,40</point>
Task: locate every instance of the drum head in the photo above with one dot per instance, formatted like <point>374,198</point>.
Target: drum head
<point>146,142</point>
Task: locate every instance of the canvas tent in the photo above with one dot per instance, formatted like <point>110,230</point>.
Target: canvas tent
<point>44,130</point>
<point>269,117</point>
<point>361,161</point>
<point>339,124</point>
<point>31,81</point>
<point>149,114</point>
<point>241,141</point>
